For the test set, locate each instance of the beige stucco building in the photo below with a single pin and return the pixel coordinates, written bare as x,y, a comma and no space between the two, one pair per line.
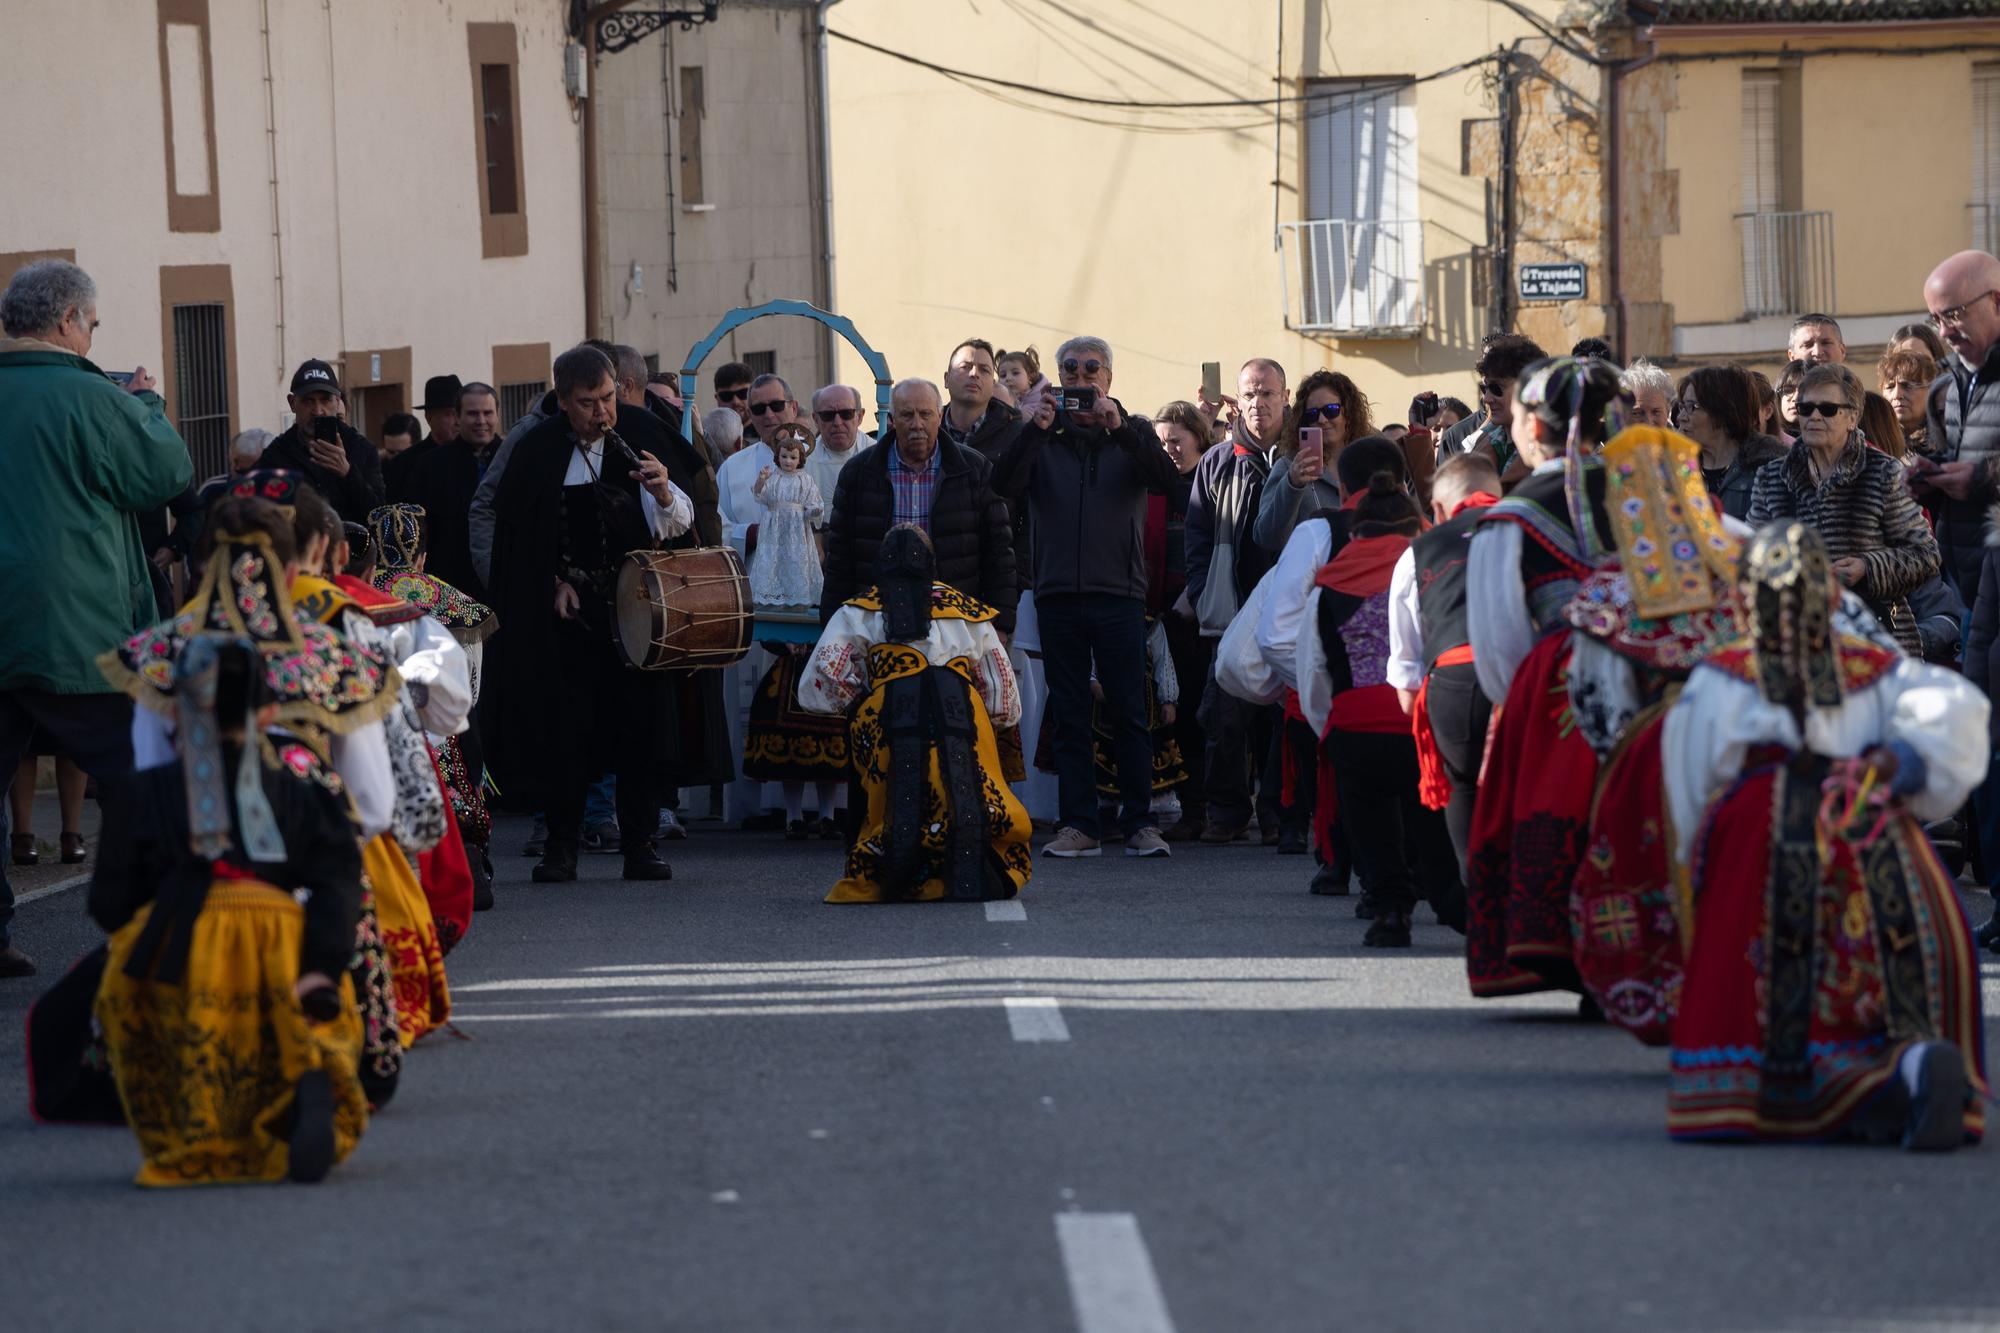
711,191
1710,172
392,186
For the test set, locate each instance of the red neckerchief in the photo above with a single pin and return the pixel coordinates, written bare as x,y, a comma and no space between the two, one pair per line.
1476,500
1364,566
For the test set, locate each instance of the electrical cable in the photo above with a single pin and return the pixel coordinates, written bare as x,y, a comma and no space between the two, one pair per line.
1389,88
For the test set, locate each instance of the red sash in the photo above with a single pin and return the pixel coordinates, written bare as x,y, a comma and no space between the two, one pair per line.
1433,783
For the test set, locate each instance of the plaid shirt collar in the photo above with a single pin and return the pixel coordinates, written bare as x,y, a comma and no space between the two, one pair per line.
912,489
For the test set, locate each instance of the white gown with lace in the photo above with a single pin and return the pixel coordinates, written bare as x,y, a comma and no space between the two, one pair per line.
784,569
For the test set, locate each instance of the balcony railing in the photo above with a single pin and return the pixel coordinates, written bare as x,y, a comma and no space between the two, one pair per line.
1345,275
1787,263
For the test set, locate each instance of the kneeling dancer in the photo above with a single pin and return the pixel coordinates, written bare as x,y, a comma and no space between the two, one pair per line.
932,678
230,883
1832,989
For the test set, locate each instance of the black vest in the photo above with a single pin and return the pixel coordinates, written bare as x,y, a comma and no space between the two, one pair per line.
1440,568
1551,568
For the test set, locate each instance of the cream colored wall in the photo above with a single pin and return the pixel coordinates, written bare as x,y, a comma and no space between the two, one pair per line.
959,214
1886,147
385,100
760,240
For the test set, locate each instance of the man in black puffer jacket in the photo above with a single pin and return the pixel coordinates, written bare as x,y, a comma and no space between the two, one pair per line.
345,467
1085,471
966,520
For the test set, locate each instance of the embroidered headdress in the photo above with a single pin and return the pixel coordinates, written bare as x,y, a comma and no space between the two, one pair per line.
1583,398
904,571
1668,596
317,677
399,531
1787,588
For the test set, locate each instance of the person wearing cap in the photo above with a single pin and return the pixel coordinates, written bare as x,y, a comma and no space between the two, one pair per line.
337,460
441,414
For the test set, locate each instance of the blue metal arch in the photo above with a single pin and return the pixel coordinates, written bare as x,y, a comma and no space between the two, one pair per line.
878,364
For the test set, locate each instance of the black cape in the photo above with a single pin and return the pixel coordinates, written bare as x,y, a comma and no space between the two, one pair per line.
523,720
443,481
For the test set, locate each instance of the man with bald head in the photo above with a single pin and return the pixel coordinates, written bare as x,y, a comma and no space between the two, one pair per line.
1963,297
917,475
837,415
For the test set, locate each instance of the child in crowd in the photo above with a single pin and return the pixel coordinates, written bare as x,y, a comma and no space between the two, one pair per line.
1020,373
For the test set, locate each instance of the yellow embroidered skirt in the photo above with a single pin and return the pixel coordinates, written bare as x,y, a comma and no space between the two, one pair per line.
1007,826
208,1067
409,937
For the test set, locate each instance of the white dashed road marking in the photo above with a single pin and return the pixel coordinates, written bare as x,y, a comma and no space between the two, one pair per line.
1007,909
1036,1019
1111,1278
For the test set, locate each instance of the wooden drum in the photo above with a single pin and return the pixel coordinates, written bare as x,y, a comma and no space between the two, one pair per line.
683,610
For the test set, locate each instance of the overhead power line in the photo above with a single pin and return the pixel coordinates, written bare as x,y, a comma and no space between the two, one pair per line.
1389,87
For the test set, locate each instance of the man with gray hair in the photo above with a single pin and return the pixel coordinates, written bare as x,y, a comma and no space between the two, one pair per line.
1086,468
85,459
916,475
837,414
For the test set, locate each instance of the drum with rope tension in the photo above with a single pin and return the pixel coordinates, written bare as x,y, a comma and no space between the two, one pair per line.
682,610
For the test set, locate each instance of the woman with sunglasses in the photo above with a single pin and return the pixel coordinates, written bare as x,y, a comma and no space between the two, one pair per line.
1717,409
1302,484
1855,496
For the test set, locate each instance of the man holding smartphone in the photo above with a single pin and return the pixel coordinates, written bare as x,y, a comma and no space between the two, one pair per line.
337,460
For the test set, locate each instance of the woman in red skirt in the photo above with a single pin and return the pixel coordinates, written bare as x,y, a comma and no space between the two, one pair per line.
1831,987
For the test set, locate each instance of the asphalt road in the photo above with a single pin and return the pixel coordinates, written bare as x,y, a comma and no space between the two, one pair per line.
1172,1095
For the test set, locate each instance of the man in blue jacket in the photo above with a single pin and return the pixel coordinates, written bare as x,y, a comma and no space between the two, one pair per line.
1085,473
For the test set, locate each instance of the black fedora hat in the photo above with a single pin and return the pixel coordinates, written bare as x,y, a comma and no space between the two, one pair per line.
440,394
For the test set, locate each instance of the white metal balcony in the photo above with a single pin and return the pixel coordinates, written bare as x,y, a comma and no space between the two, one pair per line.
1352,276
1787,263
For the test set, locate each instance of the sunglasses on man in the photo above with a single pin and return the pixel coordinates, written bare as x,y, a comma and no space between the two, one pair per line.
1090,367
1492,389
762,409
833,414
1324,412
732,395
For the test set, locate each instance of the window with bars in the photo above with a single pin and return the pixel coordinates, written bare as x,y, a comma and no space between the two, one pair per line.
201,384
761,363
517,400
496,102
1986,156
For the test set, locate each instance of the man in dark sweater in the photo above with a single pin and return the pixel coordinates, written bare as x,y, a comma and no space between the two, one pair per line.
337,461
1085,468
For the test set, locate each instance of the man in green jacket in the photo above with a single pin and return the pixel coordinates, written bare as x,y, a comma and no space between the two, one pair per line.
84,458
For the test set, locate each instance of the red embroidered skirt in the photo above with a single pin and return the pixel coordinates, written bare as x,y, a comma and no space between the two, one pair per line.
1806,979
1527,833
1624,911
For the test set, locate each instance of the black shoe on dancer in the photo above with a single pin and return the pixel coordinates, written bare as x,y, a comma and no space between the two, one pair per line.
1389,930
312,1145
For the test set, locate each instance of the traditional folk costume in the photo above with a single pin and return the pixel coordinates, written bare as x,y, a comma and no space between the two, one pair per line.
562,707
1344,693
932,679
340,716
1832,987
1527,557
1430,655
399,535
1643,620
418,822
224,879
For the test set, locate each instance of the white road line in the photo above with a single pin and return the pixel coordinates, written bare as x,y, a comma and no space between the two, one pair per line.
1007,909
1111,1278
75,882
1036,1019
